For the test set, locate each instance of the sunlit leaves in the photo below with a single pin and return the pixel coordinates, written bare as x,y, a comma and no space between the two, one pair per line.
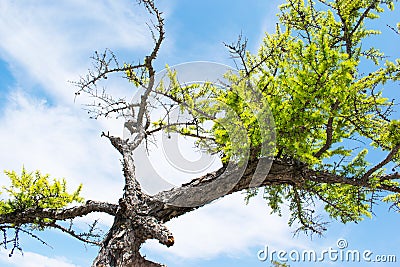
319,98
356,168
345,202
35,191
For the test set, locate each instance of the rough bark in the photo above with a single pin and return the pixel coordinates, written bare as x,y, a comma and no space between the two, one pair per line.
29,215
121,246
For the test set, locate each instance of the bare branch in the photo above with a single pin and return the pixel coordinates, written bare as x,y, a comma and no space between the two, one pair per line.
238,50
397,31
81,237
308,223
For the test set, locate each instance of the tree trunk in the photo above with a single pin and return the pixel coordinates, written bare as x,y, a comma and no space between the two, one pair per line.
132,223
121,246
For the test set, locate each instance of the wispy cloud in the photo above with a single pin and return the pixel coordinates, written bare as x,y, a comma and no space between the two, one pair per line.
58,141
49,43
46,44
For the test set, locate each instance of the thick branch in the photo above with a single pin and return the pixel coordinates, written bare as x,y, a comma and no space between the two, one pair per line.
72,233
30,215
198,192
211,186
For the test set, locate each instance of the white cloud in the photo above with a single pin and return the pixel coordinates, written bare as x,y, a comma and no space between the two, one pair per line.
46,44
61,142
49,43
30,259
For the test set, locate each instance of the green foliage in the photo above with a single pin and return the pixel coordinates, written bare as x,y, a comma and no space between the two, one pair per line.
356,168
35,191
393,198
345,202
303,97
275,196
235,114
308,75
393,133
136,76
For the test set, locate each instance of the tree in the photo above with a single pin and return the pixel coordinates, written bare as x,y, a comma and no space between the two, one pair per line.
291,116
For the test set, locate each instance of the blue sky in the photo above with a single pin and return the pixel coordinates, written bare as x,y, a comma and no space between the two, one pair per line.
45,44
